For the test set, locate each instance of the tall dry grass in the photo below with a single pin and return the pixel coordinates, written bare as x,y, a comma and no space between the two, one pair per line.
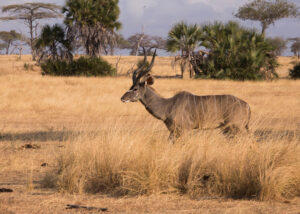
120,149
130,159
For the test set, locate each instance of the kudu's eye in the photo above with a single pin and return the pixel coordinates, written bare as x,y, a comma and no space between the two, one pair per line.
135,89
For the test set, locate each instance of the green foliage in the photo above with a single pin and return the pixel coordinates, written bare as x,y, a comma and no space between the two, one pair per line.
28,67
138,40
183,37
33,11
267,11
53,42
50,36
295,72
295,48
9,38
279,45
92,12
93,21
236,53
80,67
141,63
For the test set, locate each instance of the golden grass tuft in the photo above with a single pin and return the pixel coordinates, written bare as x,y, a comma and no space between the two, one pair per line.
136,161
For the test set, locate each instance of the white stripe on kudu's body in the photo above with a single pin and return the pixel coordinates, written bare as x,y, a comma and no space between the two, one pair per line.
186,111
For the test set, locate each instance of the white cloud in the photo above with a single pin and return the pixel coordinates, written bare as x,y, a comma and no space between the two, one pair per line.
136,8
220,5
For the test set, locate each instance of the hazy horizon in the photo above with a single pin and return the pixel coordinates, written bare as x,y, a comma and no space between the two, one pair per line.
156,17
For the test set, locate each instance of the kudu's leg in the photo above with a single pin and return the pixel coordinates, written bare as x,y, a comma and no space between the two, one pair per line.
171,137
233,130
174,135
229,129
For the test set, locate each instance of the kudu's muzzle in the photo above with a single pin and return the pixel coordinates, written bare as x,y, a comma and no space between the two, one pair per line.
129,96
123,98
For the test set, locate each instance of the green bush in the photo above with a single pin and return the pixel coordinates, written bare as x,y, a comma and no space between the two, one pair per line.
28,67
141,63
236,53
295,72
80,67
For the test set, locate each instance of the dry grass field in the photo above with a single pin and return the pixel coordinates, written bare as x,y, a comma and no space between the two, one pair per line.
72,141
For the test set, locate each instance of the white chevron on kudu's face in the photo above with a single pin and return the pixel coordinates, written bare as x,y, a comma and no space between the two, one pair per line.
186,111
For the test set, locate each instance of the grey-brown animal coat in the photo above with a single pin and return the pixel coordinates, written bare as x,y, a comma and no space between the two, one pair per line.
186,111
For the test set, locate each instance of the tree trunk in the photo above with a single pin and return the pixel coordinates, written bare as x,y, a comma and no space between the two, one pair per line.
182,67
139,44
20,52
263,28
190,66
30,21
90,45
7,49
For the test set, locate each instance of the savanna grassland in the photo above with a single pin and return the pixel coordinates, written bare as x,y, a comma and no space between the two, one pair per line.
70,140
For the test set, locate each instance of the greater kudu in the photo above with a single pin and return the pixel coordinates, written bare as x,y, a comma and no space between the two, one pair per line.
187,111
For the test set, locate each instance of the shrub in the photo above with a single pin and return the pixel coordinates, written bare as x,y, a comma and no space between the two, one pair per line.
295,72
141,63
28,67
80,67
236,53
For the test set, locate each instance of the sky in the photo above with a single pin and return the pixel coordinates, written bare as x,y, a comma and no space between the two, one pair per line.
156,17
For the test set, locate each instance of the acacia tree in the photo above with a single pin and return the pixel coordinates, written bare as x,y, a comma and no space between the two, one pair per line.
114,40
279,45
184,38
295,47
267,12
30,13
135,41
93,23
9,39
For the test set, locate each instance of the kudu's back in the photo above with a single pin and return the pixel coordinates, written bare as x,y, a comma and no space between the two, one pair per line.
189,111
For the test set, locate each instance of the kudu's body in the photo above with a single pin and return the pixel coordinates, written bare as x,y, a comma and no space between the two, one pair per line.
186,111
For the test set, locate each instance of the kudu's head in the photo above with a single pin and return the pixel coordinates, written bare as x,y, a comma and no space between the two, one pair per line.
140,80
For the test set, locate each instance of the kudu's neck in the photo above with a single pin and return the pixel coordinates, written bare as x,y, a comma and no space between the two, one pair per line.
154,103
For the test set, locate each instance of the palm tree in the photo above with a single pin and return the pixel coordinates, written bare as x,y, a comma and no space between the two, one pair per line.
94,22
236,53
184,38
53,42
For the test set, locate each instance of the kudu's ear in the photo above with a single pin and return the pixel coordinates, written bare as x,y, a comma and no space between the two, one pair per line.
149,80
